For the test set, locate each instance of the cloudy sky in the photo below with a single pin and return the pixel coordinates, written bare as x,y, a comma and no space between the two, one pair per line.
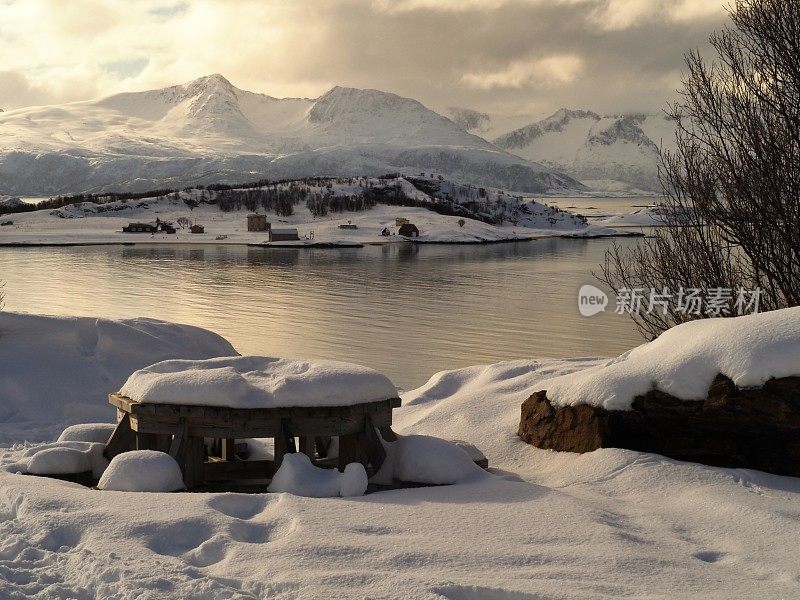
502,56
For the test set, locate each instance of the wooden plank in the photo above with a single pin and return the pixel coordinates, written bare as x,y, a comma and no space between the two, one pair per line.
177,447
349,450
122,439
228,449
308,447
284,442
373,445
194,462
146,441
239,469
322,444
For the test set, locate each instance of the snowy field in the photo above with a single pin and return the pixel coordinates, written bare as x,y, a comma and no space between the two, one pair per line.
88,223
610,523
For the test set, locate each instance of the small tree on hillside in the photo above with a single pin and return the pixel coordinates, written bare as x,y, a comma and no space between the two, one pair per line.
732,206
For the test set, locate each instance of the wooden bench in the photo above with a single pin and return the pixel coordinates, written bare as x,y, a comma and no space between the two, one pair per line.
180,430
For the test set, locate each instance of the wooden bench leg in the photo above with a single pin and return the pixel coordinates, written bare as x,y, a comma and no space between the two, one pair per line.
308,447
195,457
349,450
322,444
284,443
122,439
228,446
373,445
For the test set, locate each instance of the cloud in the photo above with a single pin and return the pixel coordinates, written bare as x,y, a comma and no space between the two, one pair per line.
493,55
16,90
549,72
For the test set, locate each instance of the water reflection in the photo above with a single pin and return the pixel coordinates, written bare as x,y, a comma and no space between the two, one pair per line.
408,310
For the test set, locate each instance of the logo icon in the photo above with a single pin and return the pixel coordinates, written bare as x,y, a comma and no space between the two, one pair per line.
591,300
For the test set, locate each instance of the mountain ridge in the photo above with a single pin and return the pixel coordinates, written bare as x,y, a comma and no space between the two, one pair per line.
208,130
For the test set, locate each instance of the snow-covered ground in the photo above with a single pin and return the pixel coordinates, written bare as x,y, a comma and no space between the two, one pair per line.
610,523
89,223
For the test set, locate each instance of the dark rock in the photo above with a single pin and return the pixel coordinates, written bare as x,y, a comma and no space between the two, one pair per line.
756,428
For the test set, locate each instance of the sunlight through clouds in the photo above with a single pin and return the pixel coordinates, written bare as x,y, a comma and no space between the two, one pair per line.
550,71
510,55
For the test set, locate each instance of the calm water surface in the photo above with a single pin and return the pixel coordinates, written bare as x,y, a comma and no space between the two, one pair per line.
408,310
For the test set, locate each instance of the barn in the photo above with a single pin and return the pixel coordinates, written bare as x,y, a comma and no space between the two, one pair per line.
283,235
140,228
408,230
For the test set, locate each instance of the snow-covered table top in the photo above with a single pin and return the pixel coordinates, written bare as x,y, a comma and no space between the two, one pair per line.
257,382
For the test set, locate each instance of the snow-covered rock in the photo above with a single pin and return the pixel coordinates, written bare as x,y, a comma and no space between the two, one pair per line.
58,371
209,131
298,476
142,471
426,459
258,382
53,461
87,432
684,360
65,457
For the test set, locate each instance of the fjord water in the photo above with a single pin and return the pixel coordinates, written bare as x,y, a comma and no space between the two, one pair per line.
408,310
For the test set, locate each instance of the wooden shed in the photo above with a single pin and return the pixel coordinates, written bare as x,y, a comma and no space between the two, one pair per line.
257,223
283,235
140,228
408,230
197,229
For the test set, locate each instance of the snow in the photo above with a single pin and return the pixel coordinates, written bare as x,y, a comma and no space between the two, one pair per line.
58,371
257,382
63,457
684,360
89,223
87,432
58,461
427,459
613,153
299,477
142,471
540,524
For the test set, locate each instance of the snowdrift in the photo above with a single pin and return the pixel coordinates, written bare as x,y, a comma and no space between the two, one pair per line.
58,371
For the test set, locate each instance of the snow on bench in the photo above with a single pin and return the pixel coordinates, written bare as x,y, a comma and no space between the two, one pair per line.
257,382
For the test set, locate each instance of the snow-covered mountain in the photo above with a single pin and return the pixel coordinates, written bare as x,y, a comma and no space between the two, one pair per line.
209,131
613,153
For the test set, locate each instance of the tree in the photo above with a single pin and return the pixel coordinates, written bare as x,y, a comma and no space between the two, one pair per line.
183,222
461,222
732,186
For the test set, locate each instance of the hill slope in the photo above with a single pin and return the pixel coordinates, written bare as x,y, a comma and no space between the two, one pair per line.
208,131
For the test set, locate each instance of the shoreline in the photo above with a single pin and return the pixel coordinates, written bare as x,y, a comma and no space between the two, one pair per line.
312,245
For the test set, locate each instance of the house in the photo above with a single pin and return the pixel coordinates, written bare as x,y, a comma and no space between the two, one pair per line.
348,226
283,235
197,229
257,223
408,230
166,227
400,221
140,228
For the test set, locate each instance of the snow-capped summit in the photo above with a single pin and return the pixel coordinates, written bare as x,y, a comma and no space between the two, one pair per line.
615,153
208,130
